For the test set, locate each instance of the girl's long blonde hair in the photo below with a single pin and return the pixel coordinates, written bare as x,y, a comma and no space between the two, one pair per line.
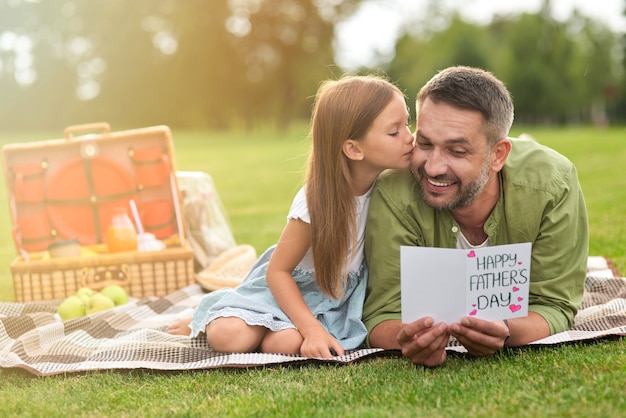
343,109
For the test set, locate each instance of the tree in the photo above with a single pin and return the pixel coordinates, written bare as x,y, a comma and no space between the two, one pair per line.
557,72
418,58
196,63
286,47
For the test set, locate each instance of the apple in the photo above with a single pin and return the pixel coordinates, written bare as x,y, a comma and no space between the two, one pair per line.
71,307
98,302
84,293
116,293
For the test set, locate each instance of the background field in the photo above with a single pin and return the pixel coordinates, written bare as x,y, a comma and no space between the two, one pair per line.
256,176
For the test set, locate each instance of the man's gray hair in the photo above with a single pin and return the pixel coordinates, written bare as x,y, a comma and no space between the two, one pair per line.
473,89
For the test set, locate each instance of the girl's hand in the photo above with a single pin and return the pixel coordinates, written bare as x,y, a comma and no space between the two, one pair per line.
319,343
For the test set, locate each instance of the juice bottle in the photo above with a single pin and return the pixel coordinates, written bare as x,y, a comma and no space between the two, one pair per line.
121,235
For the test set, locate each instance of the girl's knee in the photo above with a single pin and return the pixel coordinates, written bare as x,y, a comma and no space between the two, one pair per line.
233,335
287,341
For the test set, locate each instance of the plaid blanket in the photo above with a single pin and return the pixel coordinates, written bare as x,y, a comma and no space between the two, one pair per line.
133,336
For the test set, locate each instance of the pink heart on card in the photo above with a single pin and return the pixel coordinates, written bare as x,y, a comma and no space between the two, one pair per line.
520,299
473,312
473,305
515,288
515,308
471,254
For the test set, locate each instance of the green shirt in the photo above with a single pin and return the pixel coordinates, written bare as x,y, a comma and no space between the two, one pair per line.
540,202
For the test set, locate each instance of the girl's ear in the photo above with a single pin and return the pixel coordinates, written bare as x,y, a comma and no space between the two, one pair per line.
352,149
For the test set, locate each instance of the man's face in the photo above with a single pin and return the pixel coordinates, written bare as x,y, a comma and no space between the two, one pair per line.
451,160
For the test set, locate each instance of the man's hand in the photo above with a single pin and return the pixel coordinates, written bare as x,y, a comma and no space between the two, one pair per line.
480,337
424,342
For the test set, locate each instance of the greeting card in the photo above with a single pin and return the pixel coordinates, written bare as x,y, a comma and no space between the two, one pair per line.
490,283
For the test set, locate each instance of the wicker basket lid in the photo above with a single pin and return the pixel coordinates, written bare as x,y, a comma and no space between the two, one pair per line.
228,269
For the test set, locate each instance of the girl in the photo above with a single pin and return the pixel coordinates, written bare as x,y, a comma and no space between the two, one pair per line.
305,294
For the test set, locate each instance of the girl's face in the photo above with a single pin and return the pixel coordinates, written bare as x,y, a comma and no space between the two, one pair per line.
389,143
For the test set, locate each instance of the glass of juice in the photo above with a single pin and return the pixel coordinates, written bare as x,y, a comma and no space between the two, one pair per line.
121,234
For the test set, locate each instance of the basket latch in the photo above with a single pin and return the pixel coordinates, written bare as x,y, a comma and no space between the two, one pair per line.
101,278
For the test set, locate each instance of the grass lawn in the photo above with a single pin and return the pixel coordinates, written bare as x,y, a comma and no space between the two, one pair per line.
256,175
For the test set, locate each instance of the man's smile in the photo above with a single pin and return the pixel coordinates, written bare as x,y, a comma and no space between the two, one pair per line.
439,183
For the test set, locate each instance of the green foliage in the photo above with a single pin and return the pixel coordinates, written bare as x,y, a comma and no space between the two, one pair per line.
557,72
223,64
196,63
418,58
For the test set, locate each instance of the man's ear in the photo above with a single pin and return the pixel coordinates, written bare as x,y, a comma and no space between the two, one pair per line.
352,149
500,153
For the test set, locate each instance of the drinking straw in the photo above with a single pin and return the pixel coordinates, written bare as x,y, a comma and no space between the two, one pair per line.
133,209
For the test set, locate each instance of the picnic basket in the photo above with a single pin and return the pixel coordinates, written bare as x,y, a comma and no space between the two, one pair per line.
68,190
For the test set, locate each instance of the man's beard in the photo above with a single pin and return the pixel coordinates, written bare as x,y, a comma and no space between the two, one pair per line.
464,197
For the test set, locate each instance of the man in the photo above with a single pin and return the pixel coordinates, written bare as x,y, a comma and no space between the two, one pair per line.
471,186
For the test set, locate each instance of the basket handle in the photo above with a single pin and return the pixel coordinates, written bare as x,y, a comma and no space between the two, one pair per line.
74,130
102,278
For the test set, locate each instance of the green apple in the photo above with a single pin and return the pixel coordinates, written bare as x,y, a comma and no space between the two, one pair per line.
116,293
84,293
71,307
98,302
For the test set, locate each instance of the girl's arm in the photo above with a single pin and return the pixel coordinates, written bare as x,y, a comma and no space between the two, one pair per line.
291,248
